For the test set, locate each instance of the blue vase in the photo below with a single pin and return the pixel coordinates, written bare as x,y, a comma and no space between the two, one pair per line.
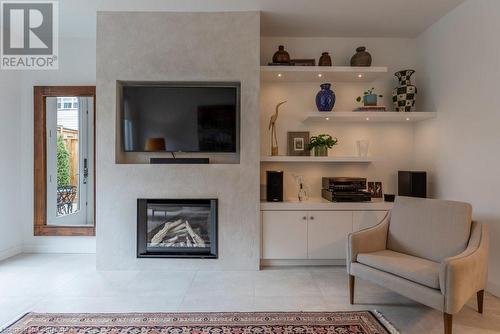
325,99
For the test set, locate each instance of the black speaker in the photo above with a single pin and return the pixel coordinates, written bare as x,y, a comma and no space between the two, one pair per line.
412,184
274,186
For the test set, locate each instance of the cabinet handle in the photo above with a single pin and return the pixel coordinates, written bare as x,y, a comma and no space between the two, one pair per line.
304,218
311,218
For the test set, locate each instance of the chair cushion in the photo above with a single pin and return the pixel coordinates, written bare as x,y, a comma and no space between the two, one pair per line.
429,228
412,268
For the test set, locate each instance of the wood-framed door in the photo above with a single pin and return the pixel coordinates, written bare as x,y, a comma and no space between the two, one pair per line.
44,223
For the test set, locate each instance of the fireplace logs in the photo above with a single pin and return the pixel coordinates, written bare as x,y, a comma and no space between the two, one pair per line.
177,233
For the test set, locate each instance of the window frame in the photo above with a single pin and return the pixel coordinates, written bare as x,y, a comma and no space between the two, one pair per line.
40,227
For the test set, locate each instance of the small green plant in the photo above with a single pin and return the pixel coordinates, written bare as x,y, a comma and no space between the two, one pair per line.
368,92
322,140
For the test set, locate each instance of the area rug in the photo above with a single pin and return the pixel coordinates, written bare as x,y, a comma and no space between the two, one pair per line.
362,322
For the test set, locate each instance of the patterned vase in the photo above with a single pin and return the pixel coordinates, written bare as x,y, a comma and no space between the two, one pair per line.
405,94
325,99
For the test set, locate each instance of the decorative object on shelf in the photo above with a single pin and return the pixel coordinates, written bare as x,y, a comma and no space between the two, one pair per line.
325,60
321,143
304,62
297,143
281,56
325,99
362,146
369,98
302,193
272,127
405,94
361,57
375,189
371,108
389,197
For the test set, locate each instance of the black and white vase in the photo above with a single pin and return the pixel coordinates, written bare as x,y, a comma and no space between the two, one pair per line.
405,94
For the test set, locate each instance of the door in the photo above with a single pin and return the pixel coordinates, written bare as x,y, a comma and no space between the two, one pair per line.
327,234
69,135
367,219
284,235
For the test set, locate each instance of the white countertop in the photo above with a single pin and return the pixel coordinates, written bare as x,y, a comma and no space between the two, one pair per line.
323,204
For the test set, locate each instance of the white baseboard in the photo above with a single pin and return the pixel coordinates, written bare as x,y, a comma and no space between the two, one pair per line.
10,252
493,288
301,263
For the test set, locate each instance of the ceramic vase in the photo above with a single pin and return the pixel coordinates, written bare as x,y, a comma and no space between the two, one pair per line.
404,96
281,56
370,100
321,151
325,99
325,60
361,57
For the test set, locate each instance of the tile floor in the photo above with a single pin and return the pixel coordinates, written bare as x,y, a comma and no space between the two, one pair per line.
70,283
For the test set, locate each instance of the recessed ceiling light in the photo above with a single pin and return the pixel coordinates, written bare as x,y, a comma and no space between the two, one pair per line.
407,118
328,118
320,75
360,75
279,75
368,118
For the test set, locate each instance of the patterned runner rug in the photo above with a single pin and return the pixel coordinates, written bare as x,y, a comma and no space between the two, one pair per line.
361,322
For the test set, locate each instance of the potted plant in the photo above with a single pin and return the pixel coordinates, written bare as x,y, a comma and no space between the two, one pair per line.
321,143
369,97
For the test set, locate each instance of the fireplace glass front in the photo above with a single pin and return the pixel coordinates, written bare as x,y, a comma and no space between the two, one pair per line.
185,228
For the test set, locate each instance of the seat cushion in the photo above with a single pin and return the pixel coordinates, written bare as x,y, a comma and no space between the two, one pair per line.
412,268
429,228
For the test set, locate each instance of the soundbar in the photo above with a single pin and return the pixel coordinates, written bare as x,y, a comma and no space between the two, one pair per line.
171,161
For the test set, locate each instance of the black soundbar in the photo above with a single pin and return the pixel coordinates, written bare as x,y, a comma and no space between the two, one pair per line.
171,161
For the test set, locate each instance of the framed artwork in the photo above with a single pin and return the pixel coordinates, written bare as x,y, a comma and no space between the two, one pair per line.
375,189
297,143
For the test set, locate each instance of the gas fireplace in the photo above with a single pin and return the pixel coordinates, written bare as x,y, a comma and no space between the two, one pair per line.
177,228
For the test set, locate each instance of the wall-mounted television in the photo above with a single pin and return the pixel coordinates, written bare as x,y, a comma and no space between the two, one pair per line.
180,117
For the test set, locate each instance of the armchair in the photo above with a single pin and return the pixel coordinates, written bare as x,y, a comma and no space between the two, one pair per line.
427,250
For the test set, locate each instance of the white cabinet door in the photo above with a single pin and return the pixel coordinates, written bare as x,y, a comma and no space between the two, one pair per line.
284,235
327,234
367,219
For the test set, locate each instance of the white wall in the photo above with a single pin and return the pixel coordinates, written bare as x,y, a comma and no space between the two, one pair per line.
391,145
459,67
147,46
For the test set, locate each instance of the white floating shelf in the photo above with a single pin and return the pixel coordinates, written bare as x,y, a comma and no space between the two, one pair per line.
285,158
321,73
371,116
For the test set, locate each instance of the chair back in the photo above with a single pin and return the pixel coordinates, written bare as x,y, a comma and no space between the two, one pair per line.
429,228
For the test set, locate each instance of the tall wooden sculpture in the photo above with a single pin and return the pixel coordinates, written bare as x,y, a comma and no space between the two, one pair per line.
272,127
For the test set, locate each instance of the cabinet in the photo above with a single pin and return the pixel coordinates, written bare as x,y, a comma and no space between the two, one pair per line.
326,234
366,219
284,234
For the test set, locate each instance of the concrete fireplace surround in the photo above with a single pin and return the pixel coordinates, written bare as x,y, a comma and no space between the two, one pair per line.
165,46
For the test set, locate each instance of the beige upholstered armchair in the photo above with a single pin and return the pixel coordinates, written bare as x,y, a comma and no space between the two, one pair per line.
427,250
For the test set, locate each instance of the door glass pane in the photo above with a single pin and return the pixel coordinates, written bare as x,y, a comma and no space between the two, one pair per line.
67,155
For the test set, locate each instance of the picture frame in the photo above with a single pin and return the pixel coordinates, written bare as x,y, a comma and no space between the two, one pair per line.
297,143
375,189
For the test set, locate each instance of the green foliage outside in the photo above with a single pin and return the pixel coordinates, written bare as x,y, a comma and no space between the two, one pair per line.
63,163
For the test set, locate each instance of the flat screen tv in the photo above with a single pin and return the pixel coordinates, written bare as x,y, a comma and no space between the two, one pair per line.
180,117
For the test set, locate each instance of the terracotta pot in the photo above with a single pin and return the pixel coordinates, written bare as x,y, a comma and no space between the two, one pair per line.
281,56
325,60
361,58
321,151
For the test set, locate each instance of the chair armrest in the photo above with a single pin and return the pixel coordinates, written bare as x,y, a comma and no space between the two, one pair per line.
368,240
465,274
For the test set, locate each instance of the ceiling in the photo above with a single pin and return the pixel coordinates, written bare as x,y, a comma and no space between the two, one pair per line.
294,18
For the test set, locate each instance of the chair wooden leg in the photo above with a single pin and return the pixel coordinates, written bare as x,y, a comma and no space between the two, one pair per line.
448,322
480,301
351,289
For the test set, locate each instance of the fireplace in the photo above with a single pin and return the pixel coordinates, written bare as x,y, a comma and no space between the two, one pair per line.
177,228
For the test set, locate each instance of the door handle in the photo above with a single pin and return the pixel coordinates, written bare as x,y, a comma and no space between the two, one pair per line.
311,218
304,218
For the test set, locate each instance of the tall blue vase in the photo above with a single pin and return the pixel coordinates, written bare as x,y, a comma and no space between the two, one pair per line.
325,99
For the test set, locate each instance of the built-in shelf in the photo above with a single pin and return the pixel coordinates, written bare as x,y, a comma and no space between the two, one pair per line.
323,204
286,158
321,73
371,116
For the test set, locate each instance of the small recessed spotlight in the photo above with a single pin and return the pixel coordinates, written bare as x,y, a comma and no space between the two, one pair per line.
320,75
360,75
407,118
279,75
368,118
328,118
